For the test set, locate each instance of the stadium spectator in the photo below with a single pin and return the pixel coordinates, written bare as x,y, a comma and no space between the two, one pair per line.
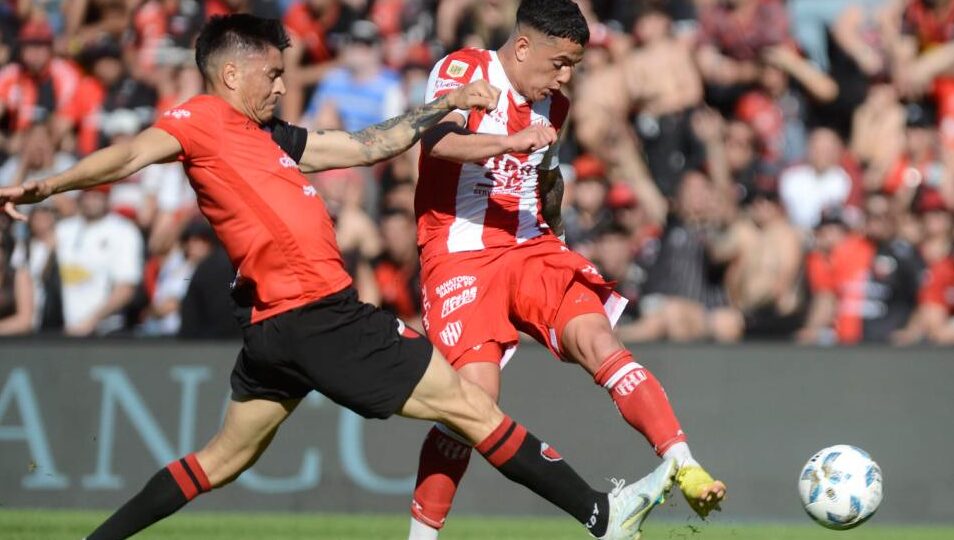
39,86
16,287
764,277
934,318
865,288
685,298
587,215
397,270
172,282
206,311
821,183
316,28
924,57
779,108
37,158
877,133
39,252
613,257
734,36
660,82
88,21
362,91
108,89
100,258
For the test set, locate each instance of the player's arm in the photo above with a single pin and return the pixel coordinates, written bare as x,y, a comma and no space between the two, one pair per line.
101,167
550,183
339,149
452,141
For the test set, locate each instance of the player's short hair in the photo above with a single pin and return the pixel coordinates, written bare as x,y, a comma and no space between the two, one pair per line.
556,18
238,32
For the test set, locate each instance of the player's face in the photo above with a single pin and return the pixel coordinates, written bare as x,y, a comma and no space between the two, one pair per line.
262,85
546,63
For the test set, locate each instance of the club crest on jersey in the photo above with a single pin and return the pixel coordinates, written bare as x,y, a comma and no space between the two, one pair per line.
287,162
456,69
450,335
309,191
549,453
178,114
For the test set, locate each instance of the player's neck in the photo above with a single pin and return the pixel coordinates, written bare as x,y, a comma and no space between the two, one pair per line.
508,61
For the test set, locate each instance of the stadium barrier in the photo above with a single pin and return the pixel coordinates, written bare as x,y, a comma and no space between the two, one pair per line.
84,424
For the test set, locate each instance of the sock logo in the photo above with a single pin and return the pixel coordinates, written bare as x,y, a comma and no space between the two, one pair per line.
593,518
549,453
629,383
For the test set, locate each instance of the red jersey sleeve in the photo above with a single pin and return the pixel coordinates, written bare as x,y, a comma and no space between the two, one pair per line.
196,125
939,279
820,275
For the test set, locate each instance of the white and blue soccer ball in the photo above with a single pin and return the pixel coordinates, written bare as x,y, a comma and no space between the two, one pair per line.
840,487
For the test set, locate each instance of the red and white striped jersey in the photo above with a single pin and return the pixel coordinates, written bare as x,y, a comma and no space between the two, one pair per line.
494,203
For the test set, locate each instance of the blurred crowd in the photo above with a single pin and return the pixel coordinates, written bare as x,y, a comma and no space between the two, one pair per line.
743,169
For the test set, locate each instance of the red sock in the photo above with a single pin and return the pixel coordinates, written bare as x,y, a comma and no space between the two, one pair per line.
442,464
190,477
640,399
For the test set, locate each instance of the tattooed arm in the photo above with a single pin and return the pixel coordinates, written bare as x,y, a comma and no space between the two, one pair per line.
551,195
339,149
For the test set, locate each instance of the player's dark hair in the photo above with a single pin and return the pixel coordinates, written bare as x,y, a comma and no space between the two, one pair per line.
556,18
237,32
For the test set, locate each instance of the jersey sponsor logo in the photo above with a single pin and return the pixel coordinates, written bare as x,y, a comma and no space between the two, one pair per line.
549,453
499,116
453,284
458,301
450,335
508,175
446,84
309,191
629,383
541,121
287,162
178,114
456,69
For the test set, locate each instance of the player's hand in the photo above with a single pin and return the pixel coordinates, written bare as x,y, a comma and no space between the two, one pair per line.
532,139
476,95
27,193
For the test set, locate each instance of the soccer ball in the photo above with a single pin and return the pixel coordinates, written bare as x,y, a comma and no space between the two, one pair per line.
840,487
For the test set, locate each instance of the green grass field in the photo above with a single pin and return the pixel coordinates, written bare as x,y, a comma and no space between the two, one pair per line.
71,525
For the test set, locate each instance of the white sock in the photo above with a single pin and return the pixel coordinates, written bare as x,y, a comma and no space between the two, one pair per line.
680,452
420,531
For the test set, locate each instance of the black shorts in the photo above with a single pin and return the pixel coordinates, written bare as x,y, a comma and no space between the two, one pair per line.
359,356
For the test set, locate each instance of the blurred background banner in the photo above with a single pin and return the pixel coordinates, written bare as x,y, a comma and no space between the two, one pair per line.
82,425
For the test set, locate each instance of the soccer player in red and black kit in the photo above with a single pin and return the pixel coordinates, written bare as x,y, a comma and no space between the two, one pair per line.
304,328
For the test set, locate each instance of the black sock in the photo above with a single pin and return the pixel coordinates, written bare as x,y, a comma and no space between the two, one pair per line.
521,457
165,493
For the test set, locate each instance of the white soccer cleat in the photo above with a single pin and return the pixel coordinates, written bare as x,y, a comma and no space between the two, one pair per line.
629,506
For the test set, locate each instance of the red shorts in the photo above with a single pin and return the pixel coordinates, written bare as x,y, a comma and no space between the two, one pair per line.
475,297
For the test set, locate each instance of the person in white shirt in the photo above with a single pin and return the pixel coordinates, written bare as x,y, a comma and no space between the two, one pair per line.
806,190
100,259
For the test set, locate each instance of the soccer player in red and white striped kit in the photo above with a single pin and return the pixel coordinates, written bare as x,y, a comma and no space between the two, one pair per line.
493,262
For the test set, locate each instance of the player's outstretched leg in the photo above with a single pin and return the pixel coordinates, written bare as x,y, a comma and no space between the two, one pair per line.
588,339
248,429
443,396
445,455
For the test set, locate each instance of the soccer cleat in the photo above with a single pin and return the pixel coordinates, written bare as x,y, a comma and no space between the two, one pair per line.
702,492
629,506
